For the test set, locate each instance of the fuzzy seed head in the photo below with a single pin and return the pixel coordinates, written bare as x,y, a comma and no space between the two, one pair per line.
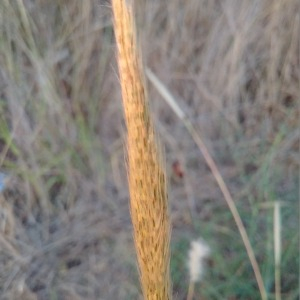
198,252
146,172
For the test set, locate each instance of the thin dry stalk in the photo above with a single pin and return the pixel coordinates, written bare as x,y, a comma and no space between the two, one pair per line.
277,248
191,290
147,184
216,173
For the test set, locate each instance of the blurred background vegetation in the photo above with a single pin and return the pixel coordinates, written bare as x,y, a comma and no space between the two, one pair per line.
234,67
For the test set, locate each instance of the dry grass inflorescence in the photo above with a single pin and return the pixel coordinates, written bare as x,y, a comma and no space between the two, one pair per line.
147,178
233,66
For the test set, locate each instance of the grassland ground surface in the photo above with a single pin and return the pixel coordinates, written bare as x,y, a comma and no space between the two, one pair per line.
233,66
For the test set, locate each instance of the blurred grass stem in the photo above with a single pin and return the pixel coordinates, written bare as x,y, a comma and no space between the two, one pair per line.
277,248
216,173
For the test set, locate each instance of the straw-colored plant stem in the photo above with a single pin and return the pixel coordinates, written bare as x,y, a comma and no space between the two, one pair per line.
191,290
147,184
215,171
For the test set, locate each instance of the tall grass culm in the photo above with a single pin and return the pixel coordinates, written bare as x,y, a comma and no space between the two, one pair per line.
146,172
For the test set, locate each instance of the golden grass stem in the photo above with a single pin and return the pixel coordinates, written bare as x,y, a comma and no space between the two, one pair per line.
146,172
216,173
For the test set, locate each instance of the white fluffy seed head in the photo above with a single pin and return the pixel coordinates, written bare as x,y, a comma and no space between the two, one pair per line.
198,252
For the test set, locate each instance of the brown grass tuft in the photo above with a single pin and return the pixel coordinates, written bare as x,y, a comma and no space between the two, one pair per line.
147,183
